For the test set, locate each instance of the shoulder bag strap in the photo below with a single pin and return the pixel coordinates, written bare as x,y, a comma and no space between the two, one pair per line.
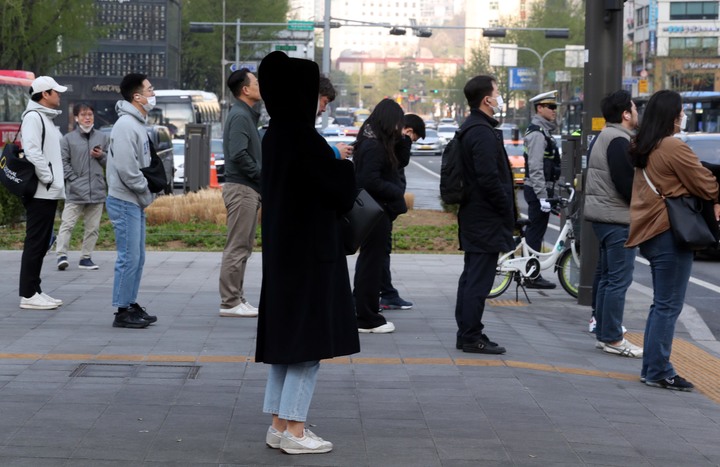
647,179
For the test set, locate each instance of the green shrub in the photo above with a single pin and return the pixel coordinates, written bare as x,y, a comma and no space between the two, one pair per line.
11,208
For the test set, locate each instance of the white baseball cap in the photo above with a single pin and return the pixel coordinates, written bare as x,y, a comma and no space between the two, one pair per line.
45,83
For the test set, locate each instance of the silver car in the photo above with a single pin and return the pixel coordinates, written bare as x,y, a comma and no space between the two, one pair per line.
429,145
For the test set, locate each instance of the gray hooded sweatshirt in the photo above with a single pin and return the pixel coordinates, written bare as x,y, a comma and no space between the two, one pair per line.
45,157
129,151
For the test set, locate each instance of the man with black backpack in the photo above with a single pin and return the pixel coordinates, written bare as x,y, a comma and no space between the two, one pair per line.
542,169
486,216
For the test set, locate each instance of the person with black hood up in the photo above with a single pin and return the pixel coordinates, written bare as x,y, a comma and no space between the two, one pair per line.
306,312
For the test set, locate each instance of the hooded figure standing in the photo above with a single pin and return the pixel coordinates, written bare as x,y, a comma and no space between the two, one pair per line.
306,310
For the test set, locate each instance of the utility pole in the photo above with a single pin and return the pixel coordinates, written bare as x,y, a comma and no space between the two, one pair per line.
603,75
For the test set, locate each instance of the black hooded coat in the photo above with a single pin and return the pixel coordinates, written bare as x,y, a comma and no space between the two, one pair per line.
306,308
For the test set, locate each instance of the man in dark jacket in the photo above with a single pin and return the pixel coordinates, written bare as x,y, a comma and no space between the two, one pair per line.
84,155
241,192
487,215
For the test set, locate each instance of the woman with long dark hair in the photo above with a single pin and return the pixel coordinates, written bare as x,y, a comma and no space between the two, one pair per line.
379,154
671,166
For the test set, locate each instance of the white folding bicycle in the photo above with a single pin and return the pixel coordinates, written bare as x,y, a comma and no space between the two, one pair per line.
524,263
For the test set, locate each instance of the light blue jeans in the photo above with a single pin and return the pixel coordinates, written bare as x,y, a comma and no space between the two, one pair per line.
290,389
617,264
128,220
671,267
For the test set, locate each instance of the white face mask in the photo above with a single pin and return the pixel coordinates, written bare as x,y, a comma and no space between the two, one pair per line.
683,122
498,109
85,129
150,104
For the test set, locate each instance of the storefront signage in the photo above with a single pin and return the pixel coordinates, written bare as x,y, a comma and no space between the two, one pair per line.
106,88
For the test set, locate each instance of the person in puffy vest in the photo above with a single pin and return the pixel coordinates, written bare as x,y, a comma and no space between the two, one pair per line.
542,169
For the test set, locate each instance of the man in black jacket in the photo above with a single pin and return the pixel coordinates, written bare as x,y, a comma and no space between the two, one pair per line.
487,214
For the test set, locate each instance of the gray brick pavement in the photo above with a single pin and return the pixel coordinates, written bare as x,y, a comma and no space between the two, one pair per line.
138,409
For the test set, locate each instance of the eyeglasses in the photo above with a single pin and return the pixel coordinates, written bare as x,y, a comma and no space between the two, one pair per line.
551,106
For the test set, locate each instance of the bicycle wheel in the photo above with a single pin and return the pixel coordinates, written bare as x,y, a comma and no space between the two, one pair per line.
501,283
569,272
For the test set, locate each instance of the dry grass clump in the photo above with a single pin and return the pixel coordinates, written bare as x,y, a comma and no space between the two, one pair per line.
204,206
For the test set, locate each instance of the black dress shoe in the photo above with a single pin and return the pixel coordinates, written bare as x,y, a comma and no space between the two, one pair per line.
141,310
128,318
539,283
482,346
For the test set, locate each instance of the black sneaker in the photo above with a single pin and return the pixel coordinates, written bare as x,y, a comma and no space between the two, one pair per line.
459,342
676,383
395,304
141,311
539,283
127,318
483,346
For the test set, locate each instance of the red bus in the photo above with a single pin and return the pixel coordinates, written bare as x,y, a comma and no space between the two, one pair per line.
14,96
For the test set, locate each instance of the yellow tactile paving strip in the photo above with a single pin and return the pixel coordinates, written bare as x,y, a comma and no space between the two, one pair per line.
692,362
496,302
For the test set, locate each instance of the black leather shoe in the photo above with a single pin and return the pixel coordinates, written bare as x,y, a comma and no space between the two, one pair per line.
482,346
127,318
539,283
141,310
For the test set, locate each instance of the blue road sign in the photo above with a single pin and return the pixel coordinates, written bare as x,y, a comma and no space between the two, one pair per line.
252,66
523,79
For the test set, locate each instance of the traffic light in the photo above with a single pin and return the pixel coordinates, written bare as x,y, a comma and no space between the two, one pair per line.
434,91
397,32
403,90
494,32
423,32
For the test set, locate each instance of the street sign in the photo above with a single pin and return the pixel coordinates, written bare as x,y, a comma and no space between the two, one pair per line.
286,48
301,25
643,86
252,66
523,79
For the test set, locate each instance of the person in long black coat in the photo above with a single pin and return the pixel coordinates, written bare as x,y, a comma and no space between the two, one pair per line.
379,155
306,312
486,217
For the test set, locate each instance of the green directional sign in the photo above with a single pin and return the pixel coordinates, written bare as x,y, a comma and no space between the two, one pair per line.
286,48
301,25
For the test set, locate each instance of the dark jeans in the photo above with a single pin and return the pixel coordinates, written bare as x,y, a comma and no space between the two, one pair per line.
387,291
535,230
617,264
40,214
368,270
671,267
473,288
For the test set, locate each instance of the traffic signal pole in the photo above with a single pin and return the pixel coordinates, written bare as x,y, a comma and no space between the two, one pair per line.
603,75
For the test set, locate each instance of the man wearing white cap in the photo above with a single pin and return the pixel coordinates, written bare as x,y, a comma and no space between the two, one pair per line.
542,169
41,142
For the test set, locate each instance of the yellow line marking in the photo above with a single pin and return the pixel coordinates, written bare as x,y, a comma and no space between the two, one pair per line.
692,362
496,302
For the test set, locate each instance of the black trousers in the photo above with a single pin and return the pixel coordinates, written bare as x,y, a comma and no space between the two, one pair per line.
535,231
368,270
40,215
474,286
387,290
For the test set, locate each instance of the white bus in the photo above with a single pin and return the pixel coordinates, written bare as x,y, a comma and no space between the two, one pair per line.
176,108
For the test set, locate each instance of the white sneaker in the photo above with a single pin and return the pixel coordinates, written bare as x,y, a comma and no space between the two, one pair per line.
592,324
248,306
625,349
384,329
310,443
273,438
241,310
47,297
36,302
600,345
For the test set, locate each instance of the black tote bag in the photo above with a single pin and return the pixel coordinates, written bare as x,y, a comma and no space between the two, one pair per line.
360,220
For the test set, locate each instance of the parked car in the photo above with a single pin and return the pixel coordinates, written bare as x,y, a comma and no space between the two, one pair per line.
515,150
447,121
429,145
216,149
510,131
431,124
179,161
446,132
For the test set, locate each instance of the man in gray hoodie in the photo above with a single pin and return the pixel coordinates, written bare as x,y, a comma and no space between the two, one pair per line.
128,196
41,143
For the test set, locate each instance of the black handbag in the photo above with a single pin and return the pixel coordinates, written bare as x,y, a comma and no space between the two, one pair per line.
689,220
155,172
17,174
360,220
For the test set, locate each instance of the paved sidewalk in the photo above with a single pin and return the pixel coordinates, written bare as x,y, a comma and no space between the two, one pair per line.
75,391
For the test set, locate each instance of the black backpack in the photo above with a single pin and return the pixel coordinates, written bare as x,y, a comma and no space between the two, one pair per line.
452,182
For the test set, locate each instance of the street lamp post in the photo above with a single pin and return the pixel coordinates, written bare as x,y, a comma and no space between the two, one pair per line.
541,79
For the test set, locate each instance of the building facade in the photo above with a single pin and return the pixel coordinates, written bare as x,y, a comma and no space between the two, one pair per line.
673,44
145,38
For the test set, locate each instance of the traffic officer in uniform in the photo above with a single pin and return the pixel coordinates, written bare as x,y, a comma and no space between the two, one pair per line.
542,169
